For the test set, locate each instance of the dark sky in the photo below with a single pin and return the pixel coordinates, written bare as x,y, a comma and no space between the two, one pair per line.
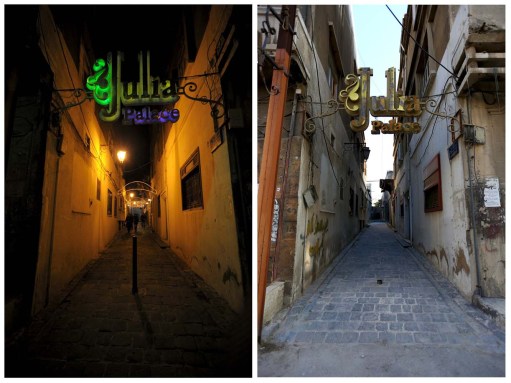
129,29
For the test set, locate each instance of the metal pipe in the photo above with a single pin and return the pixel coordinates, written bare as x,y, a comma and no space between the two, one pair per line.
410,199
479,290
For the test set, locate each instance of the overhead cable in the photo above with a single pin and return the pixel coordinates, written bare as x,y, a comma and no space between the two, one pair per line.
420,46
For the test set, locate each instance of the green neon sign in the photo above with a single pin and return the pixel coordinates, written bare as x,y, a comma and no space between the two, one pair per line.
110,91
101,82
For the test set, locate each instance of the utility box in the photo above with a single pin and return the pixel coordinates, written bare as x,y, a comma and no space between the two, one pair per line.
474,134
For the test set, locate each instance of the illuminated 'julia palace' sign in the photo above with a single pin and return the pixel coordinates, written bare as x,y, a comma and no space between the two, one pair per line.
359,104
145,101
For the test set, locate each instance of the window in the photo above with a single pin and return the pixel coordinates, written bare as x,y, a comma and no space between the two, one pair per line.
115,206
159,206
109,204
306,11
191,185
433,186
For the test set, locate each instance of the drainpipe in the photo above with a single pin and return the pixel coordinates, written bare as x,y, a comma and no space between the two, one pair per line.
410,199
478,290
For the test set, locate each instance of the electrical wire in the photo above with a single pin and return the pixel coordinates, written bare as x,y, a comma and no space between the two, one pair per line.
139,167
420,46
314,53
449,79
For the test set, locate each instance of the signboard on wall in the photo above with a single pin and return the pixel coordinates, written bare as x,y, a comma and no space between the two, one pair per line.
145,101
358,104
492,193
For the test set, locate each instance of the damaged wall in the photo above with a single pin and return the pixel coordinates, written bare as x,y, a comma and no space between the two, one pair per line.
473,174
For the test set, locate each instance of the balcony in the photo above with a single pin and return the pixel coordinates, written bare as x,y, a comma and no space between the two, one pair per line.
480,62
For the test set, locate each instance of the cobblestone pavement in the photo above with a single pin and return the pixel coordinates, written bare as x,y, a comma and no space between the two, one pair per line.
380,294
176,326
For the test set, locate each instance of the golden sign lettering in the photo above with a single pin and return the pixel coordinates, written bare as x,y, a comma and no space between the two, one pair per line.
357,102
393,127
356,98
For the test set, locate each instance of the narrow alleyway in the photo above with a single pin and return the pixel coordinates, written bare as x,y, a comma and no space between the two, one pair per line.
175,327
381,310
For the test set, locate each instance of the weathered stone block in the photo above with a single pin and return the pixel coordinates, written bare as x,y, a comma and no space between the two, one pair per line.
274,300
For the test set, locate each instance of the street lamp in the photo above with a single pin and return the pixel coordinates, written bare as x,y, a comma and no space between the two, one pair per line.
361,146
121,155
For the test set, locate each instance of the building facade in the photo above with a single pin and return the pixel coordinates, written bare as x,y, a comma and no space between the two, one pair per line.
321,201
201,164
449,190
62,177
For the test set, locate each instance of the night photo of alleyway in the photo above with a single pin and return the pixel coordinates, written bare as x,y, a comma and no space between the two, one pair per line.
128,172
381,310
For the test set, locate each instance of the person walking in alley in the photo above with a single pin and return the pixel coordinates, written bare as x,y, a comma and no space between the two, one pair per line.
143,219
129,222
135,221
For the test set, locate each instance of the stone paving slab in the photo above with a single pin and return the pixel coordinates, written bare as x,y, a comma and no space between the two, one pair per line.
381,293
176,326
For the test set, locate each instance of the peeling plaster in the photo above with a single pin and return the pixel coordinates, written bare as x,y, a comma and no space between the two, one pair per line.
432,254
461,263
315,225
491,220
316,248
230,275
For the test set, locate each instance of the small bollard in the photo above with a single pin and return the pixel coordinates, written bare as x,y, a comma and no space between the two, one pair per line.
134,287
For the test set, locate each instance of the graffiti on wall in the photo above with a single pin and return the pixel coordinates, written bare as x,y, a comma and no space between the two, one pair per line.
275,221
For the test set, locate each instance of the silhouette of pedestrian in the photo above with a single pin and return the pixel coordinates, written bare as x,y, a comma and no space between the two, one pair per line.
129,222
135,220
143,219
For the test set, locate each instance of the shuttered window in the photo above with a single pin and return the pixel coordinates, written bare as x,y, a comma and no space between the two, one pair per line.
433,186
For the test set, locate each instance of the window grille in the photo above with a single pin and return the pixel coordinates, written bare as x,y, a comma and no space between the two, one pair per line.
191,184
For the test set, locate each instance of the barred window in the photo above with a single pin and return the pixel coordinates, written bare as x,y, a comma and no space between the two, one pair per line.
191,184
